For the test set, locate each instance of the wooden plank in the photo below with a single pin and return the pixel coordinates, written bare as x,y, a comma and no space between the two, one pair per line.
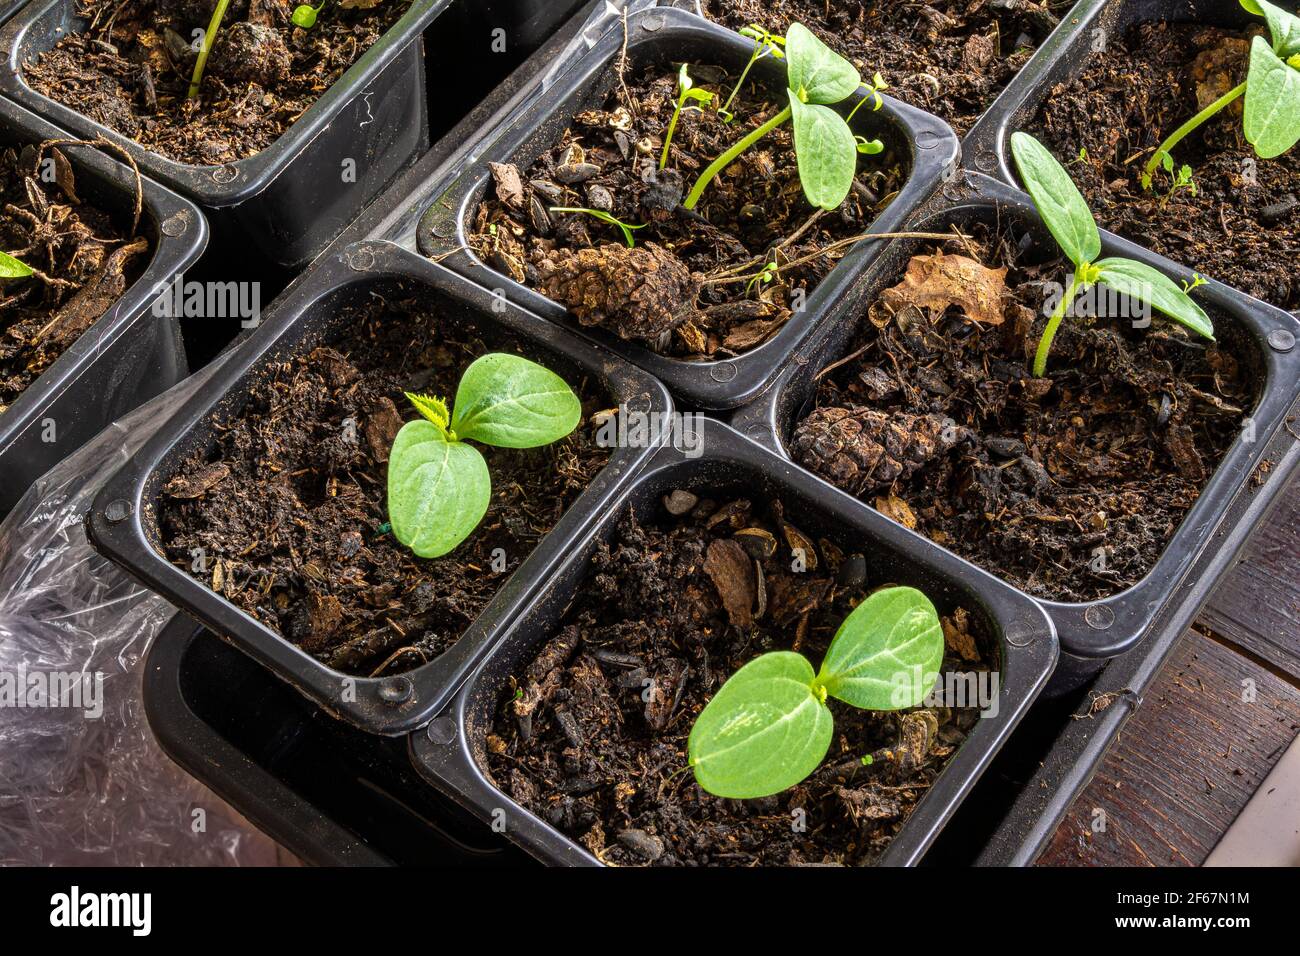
1258,604
1185,764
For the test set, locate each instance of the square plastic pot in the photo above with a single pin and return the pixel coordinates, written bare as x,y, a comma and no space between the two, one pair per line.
123,521
451,751
288,201
666,36
130,354
1094,631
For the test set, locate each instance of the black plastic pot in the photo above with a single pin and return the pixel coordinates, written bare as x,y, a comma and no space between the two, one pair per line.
130,354
289,200
331,794
666,36
123,523
1082,744
987,146
450,751
1094,631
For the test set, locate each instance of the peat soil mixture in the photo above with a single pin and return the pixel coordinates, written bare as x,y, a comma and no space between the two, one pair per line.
83,261
131,70
950,57
685,289
592,735
1243,226
285,516
1068,486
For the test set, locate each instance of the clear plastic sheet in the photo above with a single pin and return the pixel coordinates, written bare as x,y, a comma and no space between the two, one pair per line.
82,781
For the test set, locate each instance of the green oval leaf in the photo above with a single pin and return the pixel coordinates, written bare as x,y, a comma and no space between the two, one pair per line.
304,16
816,73
438,490
11,268
1058,200
826,151
763,731
1284,27
508,401
884,651
1272,121
1156,289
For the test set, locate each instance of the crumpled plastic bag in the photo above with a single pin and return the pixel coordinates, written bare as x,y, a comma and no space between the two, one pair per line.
82,780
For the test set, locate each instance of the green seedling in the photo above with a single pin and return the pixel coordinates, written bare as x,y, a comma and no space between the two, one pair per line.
687,92
209,38
824,145
438,486
1180,180
604,217
768,727
1071,224
765,44
304,15
12,268
1271,120
762,277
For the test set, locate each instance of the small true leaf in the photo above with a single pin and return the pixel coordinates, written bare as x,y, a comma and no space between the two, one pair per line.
763,731
304,16
880,650
1057,198
1272,120
817,74
11,268
508,401
826,152
438,490
1148,285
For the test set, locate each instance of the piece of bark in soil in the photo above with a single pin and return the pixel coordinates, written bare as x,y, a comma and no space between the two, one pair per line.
863,449
731,569
382,426
639,294
198,482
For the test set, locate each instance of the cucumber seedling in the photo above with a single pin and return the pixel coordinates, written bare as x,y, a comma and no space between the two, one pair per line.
768,727
13,268
1271,120
687,91
824,145
1071,224
439,486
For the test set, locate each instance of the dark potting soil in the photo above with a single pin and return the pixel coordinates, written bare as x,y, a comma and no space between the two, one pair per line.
1243,225
131,70
950,57
84,262
592,736
753,211
288,510
1068,486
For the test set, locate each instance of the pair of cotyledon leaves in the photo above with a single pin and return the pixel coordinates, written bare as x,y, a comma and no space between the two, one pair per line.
768,727
825,148
1068,218
1272,116
438,486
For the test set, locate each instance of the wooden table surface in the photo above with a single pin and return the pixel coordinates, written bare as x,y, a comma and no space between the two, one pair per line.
1217,718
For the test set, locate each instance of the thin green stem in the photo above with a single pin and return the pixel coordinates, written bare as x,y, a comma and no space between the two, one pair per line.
1183,131
730,156
208,39
668,139
741,82
1054,322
